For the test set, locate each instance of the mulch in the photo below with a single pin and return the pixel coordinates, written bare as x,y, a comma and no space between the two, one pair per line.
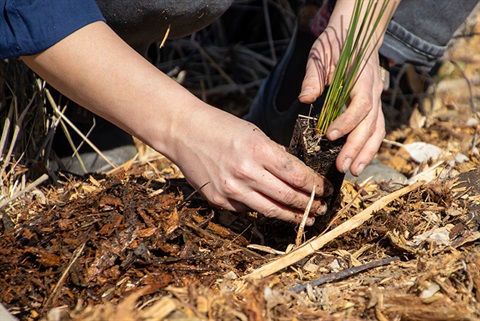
96,241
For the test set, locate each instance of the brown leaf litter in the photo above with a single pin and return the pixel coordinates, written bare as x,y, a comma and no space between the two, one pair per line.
109,246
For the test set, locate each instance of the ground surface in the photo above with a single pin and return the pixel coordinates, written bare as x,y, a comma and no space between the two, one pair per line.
138,244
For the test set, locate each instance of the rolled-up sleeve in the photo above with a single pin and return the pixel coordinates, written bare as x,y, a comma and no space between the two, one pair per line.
30,26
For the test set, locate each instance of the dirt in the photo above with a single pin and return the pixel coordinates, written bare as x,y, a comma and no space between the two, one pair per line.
139,244
320,154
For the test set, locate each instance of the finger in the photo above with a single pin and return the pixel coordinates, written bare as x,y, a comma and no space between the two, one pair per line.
371,148
373,127
360,106
285,194
350,119
312,84
292,171
230,193
316,73
255,201
280,187
320,65
270,208
364,140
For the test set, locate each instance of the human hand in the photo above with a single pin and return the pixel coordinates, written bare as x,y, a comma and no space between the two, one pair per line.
244,170
363,119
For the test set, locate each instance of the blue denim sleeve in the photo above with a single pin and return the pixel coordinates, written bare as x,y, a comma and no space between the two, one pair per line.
30,26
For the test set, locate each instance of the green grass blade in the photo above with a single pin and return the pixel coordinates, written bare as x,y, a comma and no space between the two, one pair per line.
354,55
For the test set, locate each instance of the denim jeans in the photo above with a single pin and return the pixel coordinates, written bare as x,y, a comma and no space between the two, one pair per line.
420,30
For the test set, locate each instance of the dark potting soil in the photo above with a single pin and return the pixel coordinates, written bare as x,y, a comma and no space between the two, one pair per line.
320,154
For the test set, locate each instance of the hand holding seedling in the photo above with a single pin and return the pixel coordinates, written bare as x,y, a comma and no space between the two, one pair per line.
229,160
354,78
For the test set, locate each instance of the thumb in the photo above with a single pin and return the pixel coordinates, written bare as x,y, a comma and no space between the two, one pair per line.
313,82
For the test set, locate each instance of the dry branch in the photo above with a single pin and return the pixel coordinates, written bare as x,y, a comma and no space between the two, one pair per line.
318,242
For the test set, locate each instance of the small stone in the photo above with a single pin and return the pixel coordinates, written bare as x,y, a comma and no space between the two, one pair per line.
472,122
378,172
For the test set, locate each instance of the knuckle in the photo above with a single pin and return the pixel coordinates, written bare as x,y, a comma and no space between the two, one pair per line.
218,200
382,132
376,133
355,150
299,179
290,198
228,188
371,130
270,211
365,104
242,171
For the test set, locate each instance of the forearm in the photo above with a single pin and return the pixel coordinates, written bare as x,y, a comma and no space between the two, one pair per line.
97,70
343,11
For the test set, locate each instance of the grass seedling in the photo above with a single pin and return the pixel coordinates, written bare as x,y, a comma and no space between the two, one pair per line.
353,57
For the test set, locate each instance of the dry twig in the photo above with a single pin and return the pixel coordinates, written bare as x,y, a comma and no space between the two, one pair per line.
318,242
30,187
301,227
65,119
52,300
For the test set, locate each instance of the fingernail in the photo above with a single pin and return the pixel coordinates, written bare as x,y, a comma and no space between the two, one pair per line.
322,209
346,165
310,221
334,134
306,91
360,168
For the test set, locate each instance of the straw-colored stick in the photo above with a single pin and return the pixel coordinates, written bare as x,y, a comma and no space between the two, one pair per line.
52,299
3,138
16,131
72,125
301,227
318,242
27,189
